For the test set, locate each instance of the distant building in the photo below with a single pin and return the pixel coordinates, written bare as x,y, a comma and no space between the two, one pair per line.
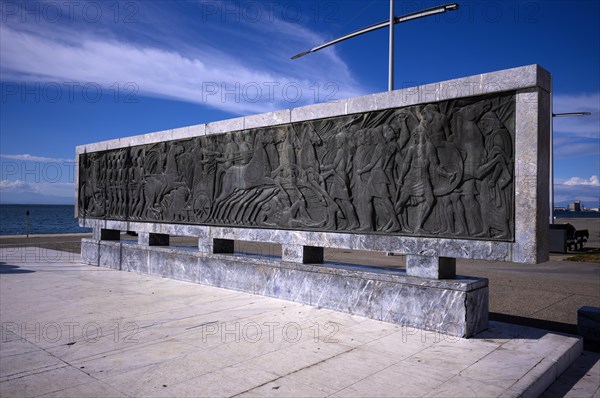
575,206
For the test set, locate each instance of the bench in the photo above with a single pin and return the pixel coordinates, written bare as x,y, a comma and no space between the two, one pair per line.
564,237
578,239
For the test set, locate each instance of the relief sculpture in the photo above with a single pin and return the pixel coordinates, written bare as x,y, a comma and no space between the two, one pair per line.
444,169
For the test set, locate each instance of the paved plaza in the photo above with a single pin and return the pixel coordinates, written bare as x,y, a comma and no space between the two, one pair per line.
75,330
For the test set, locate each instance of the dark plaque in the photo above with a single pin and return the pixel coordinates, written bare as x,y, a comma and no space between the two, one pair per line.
442,169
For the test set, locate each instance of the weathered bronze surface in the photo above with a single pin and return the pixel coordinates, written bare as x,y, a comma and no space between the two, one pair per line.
443,169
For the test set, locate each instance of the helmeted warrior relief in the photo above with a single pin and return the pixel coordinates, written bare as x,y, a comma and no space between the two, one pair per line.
444,169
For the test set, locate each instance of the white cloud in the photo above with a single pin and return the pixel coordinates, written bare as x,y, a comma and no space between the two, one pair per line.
592,181
563,193
576,188
573,149
177,70
570,147
60,189
576,102
14,185
33,158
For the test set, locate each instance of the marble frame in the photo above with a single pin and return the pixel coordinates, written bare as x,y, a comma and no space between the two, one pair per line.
532,85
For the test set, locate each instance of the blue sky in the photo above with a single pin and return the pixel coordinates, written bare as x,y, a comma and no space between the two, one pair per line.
78,72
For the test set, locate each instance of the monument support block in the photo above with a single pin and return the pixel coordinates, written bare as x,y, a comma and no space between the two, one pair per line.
151,239
213,245
431,267
302,254
110,234
223,246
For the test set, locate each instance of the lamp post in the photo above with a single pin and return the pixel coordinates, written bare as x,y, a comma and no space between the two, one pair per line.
391,48
391,22
567,114
571,114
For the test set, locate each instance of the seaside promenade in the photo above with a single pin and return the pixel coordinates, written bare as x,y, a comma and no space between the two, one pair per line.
126,334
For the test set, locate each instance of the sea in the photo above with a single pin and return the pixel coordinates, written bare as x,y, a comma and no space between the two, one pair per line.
58,219
43,219
576,214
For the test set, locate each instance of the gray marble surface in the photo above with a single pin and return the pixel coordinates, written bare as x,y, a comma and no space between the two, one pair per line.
454,248
532,84
453,306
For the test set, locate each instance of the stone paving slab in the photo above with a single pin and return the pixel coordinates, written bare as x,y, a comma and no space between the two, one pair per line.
561,287
582,379
75,330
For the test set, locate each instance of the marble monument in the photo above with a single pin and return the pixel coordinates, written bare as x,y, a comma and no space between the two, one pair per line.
457,169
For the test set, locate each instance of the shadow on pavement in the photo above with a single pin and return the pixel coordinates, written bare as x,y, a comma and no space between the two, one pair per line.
509,331
12,269
577,371
534,323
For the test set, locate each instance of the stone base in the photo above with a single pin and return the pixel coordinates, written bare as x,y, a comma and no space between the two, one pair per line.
457,307
588,327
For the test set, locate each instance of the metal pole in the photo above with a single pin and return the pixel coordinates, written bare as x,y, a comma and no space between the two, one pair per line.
391,49
384,24
551,165
27,223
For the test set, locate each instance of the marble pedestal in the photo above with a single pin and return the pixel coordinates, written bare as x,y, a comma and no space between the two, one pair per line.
457,307
427,296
